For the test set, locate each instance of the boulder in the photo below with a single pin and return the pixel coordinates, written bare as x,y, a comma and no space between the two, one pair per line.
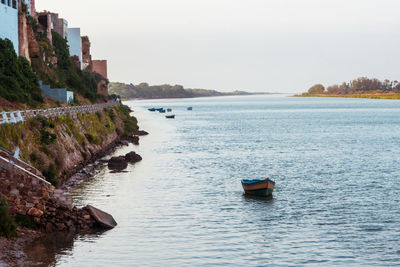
35,212
104,219
134,139
117,163
141,133
132,157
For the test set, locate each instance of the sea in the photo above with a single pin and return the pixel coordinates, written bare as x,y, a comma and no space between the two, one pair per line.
335,161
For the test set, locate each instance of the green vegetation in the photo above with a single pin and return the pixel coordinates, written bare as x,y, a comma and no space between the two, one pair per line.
8,227
71,76
359,88
144,90
25,221
51,174
47,143
18,83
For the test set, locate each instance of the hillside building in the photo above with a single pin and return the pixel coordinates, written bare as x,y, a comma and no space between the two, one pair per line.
75,45
100,67
60,25
86,56
9,22
44,19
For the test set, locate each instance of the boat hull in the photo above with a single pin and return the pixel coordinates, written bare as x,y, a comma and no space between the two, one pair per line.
258,187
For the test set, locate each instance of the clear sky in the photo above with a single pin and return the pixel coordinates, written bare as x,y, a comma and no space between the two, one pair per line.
252,45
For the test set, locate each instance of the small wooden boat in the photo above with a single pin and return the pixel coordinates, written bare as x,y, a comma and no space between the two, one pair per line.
170,116
258,187
190,108
169,110
151,109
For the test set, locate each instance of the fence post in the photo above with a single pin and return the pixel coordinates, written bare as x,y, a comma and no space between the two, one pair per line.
12,117
19,116
5,118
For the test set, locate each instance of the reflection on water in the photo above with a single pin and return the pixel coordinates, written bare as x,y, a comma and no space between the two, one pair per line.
46,250
335,201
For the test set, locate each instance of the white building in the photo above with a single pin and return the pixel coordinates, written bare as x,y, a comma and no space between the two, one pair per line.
9,21
75,43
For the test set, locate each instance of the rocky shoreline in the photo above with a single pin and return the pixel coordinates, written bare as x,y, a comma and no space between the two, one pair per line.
49,214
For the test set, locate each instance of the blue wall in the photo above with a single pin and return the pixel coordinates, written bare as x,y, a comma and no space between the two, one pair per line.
9,23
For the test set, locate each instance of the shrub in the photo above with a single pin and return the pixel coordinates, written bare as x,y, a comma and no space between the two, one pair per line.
8,227
47,138
51,175
25,221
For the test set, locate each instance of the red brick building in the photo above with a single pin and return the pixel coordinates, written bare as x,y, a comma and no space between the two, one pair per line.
100,67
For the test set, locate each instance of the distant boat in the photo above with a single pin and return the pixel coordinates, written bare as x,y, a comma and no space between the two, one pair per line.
190,108
258,187
169,110
170,116
161,110
151,109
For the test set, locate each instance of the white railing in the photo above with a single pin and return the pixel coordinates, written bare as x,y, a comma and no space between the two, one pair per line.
21,115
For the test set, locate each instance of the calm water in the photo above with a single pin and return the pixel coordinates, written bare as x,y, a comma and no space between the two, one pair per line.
335,162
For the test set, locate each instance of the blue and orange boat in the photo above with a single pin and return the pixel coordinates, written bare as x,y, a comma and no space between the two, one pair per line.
258,187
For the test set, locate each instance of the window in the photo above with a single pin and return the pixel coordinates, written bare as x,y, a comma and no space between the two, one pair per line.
14,4
3,1
8,2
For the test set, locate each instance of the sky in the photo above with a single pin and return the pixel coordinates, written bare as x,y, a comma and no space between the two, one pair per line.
251,45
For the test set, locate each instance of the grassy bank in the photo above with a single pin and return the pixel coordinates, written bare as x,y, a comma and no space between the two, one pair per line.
370,96
55,146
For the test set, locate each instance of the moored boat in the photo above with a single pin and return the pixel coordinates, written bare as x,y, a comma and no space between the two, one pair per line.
190,108
169,109
151,109
161,110
170,116
258,187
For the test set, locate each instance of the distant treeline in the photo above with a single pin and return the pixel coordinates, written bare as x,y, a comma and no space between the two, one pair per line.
361,85
146,91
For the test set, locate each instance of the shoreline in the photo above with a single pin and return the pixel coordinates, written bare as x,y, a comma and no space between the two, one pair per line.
365,96
177,98
12,250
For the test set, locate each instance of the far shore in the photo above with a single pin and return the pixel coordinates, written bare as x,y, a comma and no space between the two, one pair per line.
369,96
159,98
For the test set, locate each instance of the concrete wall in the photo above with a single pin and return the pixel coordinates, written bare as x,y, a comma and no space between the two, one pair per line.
59,94
9,22
75,42
100,66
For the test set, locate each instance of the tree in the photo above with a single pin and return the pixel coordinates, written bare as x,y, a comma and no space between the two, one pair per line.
317,89
18,82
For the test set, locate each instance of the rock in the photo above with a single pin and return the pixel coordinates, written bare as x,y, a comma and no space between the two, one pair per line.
124,143
61,226
117,163
49,227
86,217
102,218
135,140
141,133
132,157
35,212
